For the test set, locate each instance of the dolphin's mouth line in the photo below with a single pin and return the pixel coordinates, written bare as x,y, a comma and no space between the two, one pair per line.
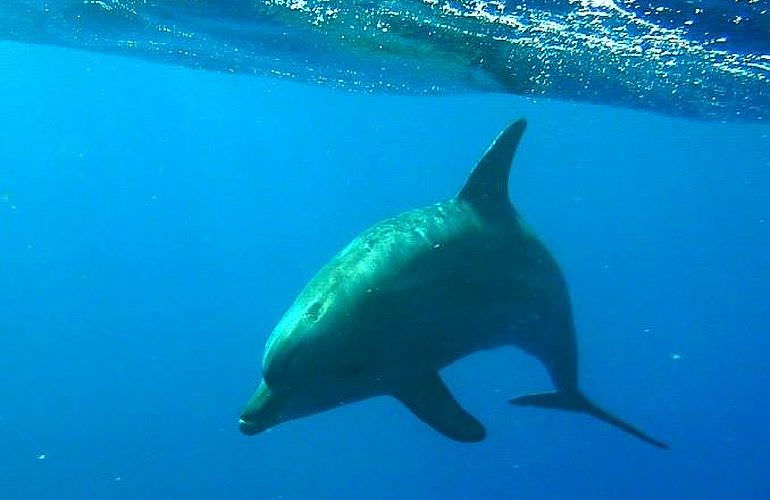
247,427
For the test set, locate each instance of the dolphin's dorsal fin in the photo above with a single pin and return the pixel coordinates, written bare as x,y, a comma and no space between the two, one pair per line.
430,400
487,186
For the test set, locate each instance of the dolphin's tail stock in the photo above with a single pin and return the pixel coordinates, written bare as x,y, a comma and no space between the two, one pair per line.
579,403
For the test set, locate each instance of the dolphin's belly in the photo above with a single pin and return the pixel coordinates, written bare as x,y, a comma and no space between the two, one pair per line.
433,338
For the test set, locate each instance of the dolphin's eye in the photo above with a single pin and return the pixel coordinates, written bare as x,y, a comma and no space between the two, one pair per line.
314,312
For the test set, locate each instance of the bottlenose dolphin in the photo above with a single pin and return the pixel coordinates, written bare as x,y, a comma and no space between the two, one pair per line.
416,292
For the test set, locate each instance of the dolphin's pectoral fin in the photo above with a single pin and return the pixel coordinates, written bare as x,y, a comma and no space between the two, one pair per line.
579,403
430,400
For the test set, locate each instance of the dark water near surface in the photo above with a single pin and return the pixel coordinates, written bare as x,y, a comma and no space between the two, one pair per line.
156,221
700,59
743,24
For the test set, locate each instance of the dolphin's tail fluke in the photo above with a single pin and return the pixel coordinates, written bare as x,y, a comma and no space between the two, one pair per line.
579,403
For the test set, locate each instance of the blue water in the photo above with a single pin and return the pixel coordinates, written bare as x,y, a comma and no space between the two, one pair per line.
156,221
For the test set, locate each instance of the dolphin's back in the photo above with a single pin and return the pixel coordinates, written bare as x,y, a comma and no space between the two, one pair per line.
450,278
462,269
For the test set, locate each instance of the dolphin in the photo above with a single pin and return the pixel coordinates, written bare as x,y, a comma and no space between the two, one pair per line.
415,293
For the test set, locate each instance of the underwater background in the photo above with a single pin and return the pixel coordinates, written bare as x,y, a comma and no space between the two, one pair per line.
157,220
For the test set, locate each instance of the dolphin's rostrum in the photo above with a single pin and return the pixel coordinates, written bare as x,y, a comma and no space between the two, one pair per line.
413,294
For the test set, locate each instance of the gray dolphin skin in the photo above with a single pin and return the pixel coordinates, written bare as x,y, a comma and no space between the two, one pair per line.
417,292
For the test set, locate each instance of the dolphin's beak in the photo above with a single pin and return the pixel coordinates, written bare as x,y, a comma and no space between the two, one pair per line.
260,412
248,428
